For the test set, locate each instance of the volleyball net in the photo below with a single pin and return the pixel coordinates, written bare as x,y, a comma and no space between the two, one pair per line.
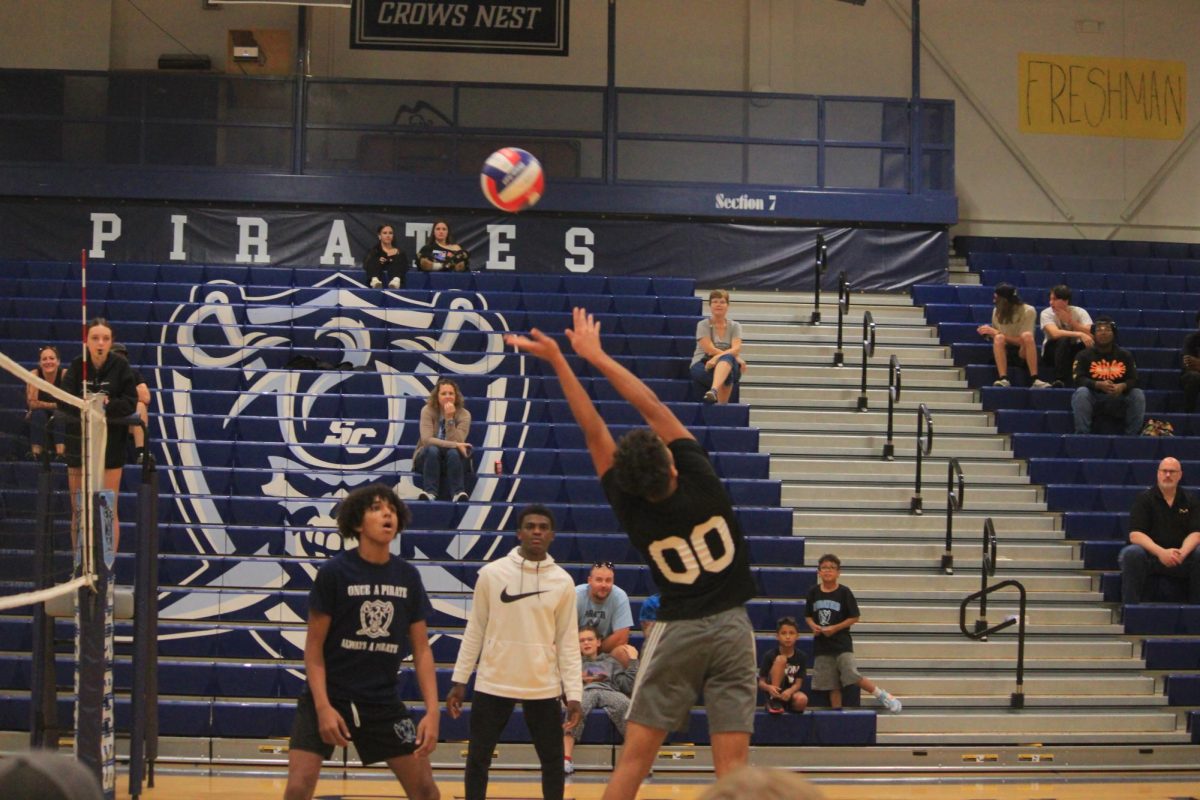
93,436
48,580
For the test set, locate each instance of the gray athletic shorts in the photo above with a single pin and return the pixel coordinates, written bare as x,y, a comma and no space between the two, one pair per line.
834,672
682,658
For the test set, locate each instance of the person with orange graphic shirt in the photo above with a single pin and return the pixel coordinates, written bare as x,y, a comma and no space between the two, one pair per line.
1107,379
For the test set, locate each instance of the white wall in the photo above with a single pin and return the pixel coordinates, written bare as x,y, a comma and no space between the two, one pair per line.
1008,183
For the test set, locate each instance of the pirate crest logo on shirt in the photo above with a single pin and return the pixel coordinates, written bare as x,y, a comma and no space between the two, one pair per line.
259,447
375,618
824,616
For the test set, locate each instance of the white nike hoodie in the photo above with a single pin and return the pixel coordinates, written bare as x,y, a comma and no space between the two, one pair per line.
523,631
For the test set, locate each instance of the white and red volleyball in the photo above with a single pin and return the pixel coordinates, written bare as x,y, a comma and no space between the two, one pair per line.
512,179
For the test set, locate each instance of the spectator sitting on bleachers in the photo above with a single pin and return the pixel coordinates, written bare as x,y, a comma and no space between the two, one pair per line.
717,364
648,613
384,261
143,405
443,452
1190,379
1066,329
781,674
1106,375
1011,333
603,605
1164,531
607,684
40,416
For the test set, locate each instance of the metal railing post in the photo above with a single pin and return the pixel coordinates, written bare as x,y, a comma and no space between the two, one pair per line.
916,505
868,350
821,263
1017,699
889,447
954,502
987,568
839,357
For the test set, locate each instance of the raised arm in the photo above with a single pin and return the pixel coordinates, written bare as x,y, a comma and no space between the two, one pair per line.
595,432
585,339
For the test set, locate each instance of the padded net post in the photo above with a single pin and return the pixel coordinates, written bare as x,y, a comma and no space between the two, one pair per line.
94,712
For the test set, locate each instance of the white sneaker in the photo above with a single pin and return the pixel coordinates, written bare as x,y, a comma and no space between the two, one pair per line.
892,704
424,497
568,766
461,497
1040,384
394,283
376,283
1002,382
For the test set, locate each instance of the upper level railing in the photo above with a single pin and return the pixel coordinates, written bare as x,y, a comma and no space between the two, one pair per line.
585,135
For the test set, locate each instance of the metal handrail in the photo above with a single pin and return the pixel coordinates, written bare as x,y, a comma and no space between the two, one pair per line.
955,497
868,350
821,257
987,569
924,419
839,357
889,447
1017,699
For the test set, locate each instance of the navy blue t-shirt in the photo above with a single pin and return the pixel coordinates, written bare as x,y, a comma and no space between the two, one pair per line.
372,607
830,608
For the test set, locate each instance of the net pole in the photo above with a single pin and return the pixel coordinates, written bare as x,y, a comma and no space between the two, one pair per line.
94,712
88,486
43,694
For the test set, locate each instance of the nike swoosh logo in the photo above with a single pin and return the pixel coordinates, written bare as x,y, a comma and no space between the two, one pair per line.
505,597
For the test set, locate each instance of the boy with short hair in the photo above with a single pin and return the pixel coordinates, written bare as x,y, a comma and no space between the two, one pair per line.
781,675
607,684
365,609
522,640
830,611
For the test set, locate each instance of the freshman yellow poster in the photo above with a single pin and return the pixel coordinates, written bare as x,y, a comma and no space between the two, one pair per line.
1084,96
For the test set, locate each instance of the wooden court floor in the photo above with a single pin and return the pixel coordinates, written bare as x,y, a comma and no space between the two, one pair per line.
1060,786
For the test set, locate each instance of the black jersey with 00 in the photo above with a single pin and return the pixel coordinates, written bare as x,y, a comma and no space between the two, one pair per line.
691,540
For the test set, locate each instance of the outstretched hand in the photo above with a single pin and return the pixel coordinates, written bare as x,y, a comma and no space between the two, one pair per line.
536,344
585,335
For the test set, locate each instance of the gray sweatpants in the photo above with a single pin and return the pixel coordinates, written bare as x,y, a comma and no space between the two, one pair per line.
615,704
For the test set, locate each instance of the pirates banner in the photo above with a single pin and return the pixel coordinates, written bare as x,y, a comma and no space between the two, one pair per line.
713,253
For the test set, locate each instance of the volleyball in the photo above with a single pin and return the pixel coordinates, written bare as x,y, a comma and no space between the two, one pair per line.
512,179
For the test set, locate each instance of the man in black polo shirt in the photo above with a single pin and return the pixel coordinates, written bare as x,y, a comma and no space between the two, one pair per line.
1164,531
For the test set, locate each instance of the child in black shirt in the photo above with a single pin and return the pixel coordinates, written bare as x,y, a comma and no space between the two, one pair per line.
781,674
830,611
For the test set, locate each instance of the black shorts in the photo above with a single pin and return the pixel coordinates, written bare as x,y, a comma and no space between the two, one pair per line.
378,731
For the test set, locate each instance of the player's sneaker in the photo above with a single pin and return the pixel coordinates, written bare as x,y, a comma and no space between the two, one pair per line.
891,703
775,706
376,283
568,766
